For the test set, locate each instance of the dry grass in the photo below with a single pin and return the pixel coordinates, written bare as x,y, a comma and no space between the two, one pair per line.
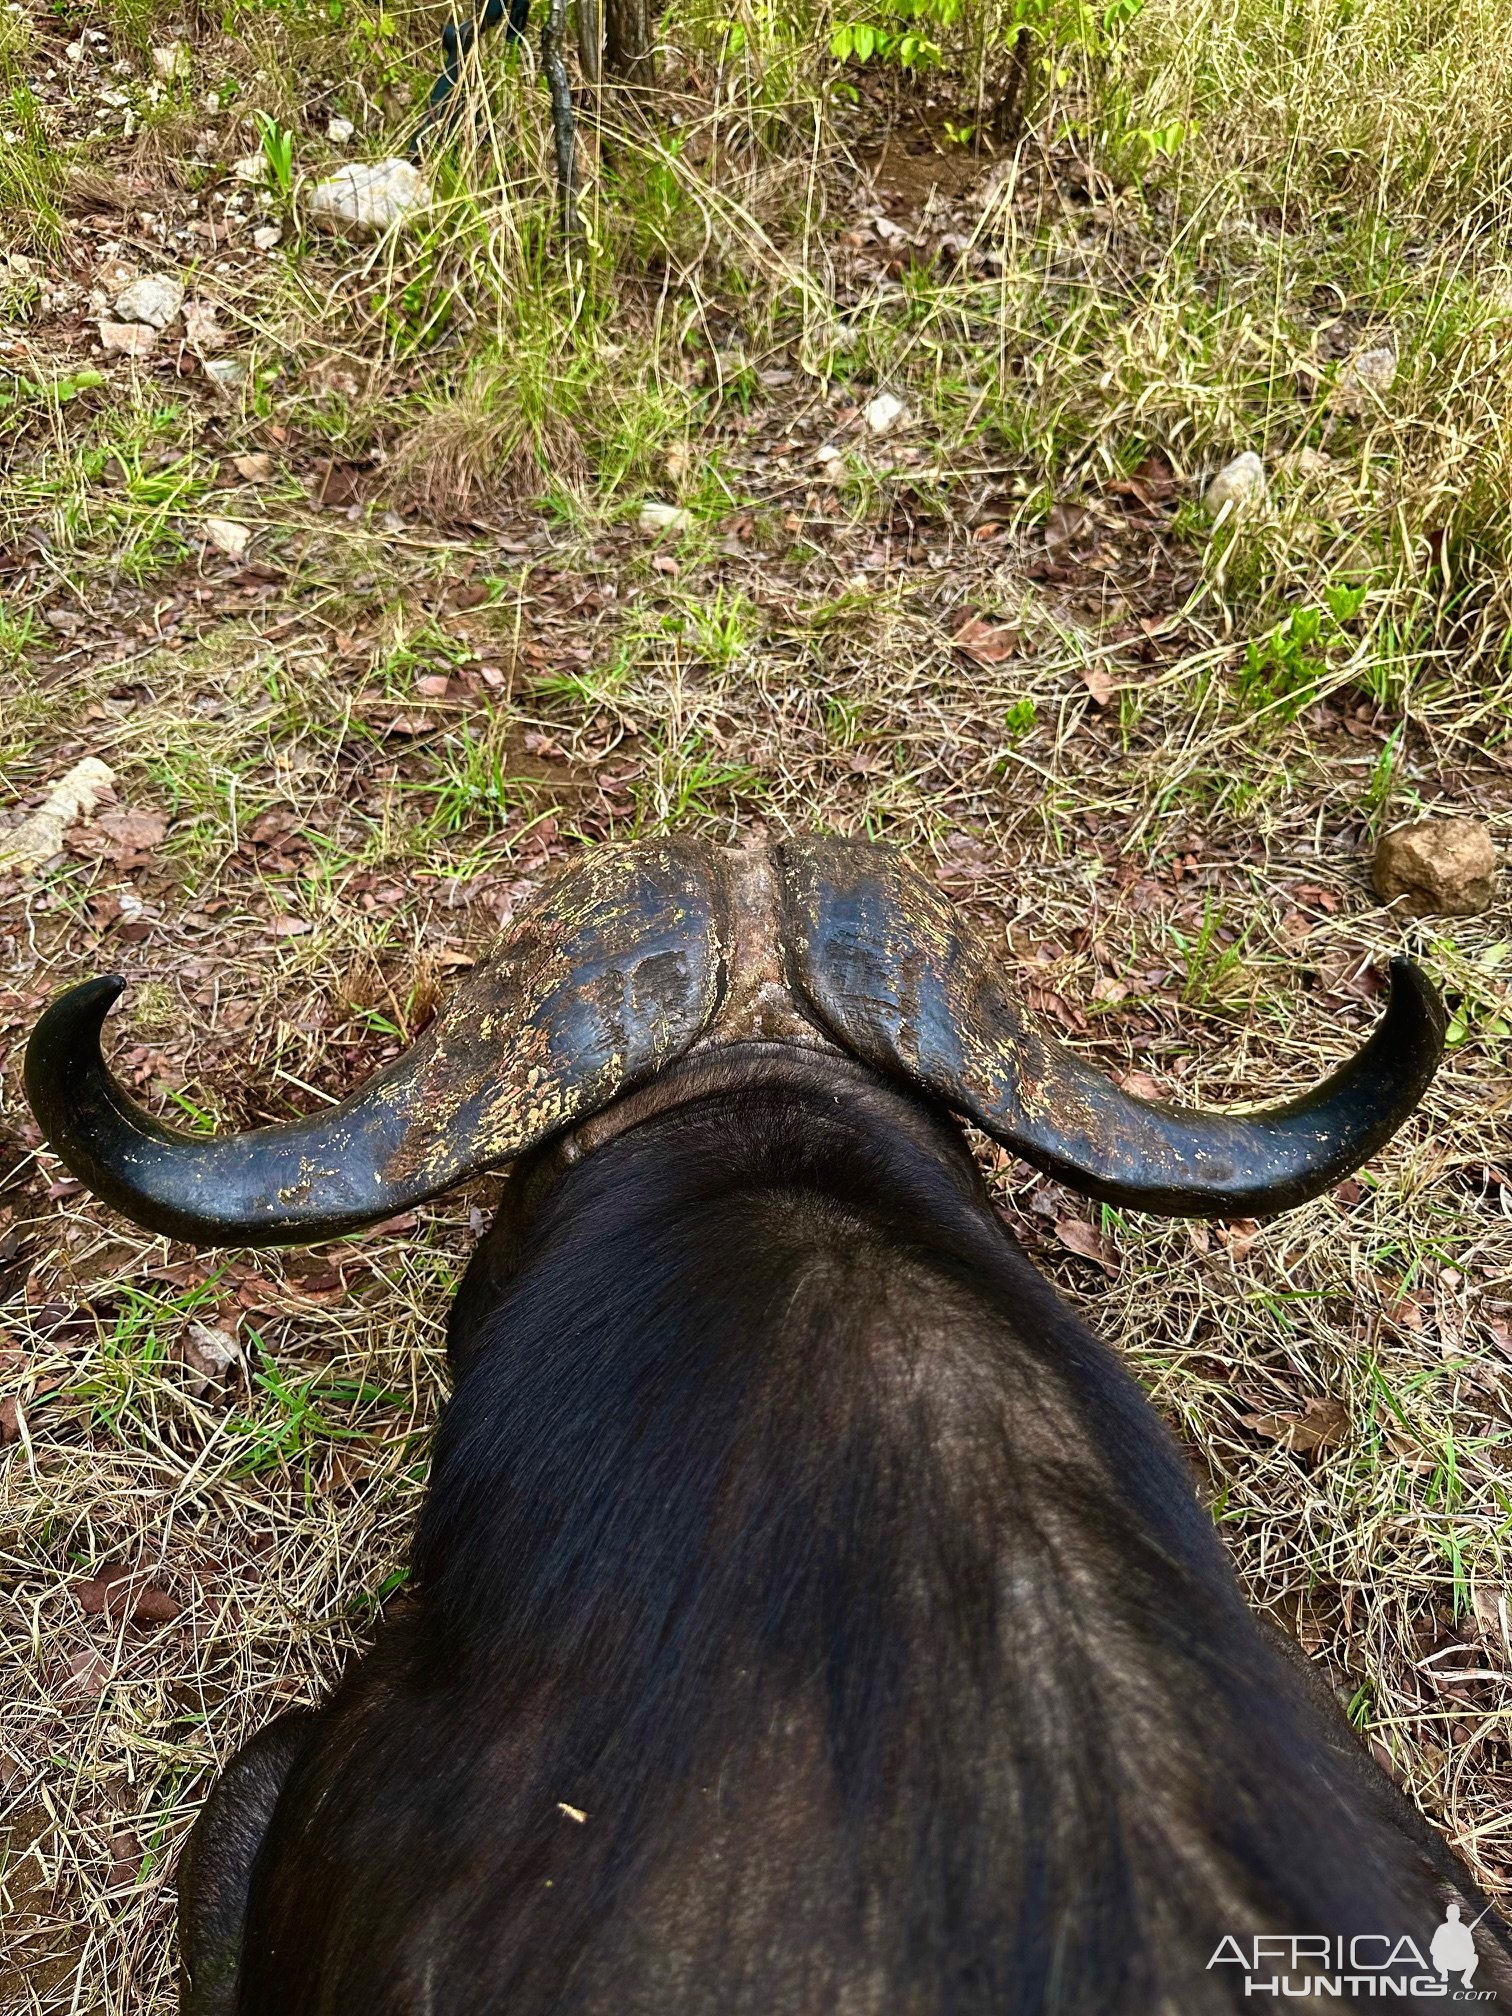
448,658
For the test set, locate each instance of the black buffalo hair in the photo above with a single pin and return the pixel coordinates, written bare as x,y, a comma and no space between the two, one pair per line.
809,1617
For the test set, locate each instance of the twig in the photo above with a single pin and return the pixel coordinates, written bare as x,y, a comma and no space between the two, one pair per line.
563,129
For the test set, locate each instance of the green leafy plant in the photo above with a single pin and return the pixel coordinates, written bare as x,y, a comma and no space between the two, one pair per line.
901,33
277,144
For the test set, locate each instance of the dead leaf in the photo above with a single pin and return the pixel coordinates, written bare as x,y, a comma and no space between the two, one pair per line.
1098,684
209,1354
202,332
1490,1605
133,833
433,686
1406,1312
10,1420
123,1592
337,484
253,468
1322,1424
1077,1236
88,1674
989,643
1239,1237
227,537
1142,1086
1064,523
125,1859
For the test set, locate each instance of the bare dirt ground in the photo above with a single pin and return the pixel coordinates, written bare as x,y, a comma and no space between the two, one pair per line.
373,635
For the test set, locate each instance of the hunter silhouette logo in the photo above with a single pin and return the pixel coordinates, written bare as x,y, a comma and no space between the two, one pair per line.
1453,1947
1364,1966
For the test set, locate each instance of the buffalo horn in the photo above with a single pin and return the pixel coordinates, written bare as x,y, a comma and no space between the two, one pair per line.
895,975
609,977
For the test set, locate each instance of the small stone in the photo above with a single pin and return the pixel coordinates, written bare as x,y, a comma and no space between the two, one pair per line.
369,198
128,339
1237,485
655,517
250,168
227,537
1437,868
339,131
154,299
266,236
885,413
1366,378
172,62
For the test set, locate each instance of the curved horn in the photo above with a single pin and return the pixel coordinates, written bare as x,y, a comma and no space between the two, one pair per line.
894,974
604,980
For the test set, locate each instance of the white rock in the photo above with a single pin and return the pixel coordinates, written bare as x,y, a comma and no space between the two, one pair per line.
1237,485
369,197
250,168
655,517
128,339
266,237
1366,378
227,537
172,62
154,299
72,798
885,413
339,131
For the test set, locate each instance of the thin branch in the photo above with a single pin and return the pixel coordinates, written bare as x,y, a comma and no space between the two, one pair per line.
563,128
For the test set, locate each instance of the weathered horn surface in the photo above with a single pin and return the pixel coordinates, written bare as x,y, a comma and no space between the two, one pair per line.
611,975
895,975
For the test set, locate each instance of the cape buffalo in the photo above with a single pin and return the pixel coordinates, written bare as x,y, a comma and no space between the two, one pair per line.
809,1616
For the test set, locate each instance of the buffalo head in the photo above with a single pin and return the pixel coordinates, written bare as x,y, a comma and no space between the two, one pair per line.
640,955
